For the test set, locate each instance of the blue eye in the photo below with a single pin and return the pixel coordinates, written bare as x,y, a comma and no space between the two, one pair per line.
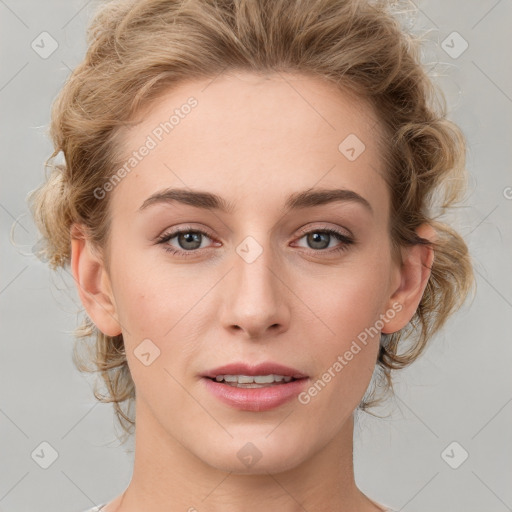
190,240
318,237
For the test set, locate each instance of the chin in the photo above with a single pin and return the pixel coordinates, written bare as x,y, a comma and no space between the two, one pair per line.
256,454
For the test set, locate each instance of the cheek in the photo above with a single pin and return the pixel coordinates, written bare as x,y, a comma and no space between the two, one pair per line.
352,297
139,303
161,304
349,303
148,297
156,332
347,353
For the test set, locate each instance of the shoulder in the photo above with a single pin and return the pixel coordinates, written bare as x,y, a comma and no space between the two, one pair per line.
384,508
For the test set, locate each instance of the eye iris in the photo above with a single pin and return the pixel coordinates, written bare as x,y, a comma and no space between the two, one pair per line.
189,237
316,238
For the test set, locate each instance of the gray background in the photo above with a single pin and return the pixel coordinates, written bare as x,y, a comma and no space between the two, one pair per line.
460,390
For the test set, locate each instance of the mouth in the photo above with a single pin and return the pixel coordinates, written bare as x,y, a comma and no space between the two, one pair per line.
254,388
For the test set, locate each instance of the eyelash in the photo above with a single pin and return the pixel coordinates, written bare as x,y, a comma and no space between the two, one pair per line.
346,241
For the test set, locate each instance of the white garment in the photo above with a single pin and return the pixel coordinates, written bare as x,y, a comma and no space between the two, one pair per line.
99,507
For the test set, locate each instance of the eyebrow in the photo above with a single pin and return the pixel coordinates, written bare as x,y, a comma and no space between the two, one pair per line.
298,200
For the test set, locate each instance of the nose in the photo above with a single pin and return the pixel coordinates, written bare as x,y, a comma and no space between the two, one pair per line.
256,297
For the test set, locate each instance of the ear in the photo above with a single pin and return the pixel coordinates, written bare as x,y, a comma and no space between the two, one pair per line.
413,276
93,283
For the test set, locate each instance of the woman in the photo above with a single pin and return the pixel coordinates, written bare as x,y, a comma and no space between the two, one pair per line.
248,208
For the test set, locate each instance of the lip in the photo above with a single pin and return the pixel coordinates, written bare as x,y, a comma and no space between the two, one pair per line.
255,399
265,368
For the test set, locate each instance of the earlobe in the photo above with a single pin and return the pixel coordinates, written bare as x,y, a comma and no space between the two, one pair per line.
417,261
93,284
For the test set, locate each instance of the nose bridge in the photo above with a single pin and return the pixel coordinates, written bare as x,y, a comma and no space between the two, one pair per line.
255,300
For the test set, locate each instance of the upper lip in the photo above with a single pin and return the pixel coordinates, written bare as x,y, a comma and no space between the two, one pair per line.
266,368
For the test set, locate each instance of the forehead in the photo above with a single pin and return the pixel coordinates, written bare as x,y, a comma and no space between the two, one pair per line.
250,137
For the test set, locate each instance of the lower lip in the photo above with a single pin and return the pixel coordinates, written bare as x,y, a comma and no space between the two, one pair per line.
255,399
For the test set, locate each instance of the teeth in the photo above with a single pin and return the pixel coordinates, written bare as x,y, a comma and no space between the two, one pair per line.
250,379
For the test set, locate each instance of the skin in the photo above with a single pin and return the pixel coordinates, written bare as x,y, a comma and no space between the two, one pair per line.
253,140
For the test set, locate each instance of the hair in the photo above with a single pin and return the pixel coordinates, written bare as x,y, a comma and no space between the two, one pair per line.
138,50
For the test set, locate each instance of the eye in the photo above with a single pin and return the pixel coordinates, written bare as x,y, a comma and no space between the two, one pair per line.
189,240
320,240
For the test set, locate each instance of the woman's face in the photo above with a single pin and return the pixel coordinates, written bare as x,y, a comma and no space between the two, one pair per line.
267,283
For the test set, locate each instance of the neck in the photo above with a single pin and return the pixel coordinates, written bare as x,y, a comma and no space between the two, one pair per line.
168,476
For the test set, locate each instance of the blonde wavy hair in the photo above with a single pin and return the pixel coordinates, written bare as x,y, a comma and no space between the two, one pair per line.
137,50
